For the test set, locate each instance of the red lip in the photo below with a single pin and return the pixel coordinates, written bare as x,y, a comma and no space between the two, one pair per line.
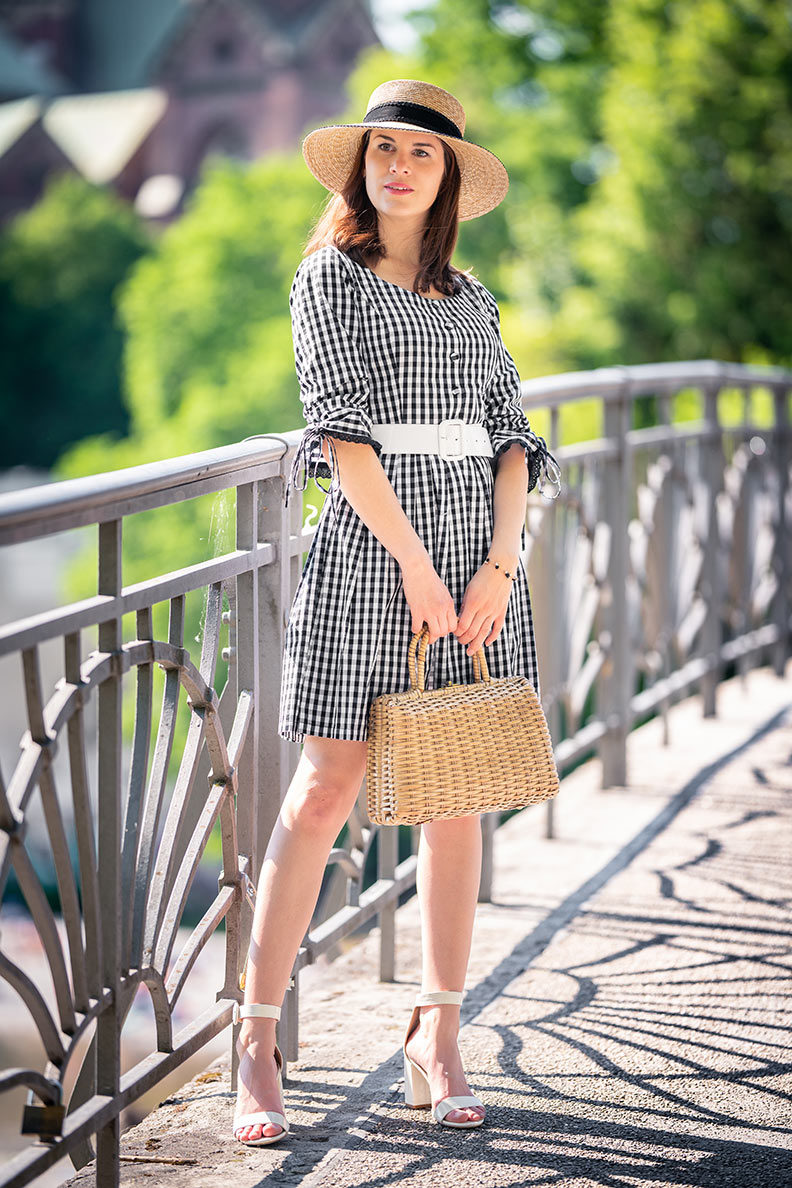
404,189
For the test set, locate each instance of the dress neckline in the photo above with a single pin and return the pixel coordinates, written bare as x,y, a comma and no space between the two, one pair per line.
392,284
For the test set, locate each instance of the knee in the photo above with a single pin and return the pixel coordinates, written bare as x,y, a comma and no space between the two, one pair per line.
448,830
326,795
319,807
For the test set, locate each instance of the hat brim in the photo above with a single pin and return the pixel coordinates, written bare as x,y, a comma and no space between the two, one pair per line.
330,153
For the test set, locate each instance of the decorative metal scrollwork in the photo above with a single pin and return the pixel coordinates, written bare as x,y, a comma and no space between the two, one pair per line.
157,861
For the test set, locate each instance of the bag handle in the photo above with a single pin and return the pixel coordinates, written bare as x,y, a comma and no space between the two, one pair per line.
419,641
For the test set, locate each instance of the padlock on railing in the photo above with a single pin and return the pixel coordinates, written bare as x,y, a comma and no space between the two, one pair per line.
43,1118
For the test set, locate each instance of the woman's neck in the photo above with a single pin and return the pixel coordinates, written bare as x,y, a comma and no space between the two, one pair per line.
402,244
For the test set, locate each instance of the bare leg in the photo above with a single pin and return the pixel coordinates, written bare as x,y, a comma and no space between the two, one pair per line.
448,877
321,796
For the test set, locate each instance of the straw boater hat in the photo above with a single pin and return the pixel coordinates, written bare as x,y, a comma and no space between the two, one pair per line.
330,150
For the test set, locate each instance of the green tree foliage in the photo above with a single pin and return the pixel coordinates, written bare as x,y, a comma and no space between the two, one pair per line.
60,343
208,354
650,148
688,243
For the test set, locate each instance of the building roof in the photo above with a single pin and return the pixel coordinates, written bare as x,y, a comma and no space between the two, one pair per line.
120,39
99,133
15,119
123,40
23,73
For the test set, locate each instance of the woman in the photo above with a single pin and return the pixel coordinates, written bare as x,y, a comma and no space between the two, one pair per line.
413,407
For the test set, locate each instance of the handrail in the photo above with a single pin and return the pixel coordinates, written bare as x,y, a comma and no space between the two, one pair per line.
32,512
37,511
637,379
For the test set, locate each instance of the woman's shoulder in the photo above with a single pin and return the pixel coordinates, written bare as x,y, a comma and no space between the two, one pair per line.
480,292
325,266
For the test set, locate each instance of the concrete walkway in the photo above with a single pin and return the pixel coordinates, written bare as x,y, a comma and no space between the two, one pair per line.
628,1006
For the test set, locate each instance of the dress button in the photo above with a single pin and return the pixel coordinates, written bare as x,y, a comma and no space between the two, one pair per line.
454,355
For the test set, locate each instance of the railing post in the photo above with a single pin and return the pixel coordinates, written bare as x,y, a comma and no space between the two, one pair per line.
489,823
387,859
108,1024
275,754
552,660
712,474
616,675
781,565
264,770
247,670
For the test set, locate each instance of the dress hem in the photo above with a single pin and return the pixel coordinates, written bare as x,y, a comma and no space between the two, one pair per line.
295,735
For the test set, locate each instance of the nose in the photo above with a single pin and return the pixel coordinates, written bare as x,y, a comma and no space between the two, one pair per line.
400,159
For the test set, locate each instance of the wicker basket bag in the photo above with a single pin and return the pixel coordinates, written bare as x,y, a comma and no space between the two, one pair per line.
457,750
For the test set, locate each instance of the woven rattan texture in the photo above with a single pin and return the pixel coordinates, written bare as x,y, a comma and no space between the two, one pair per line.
457,750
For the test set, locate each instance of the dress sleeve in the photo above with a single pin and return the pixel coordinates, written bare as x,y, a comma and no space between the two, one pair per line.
333,378
505,419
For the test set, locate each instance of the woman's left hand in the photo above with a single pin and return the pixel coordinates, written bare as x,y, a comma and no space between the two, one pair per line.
484,603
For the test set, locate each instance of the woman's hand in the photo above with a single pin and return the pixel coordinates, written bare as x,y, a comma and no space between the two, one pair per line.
429,600
485,602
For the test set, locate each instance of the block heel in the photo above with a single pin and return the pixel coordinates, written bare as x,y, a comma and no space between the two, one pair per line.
416,1087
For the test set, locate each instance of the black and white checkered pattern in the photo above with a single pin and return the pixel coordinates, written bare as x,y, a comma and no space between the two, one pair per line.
369,351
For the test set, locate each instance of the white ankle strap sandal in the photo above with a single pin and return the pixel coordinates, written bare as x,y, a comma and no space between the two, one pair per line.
255,1010
261,1010
438,997
417,1092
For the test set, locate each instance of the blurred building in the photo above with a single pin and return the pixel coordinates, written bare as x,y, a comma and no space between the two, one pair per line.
136,93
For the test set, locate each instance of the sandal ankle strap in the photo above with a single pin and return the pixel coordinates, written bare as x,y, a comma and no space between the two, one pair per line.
435,997
255,1010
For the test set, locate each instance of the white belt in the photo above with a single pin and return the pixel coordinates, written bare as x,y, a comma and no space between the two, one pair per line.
450,439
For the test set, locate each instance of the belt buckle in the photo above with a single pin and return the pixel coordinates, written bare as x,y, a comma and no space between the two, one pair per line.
450,438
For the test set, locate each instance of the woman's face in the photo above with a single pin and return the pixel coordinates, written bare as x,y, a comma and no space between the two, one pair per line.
403,171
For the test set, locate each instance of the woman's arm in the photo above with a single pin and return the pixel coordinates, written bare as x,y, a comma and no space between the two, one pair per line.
367,488
334,388
486,597
509,495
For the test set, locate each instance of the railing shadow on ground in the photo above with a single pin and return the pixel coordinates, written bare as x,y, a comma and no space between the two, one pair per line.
663,564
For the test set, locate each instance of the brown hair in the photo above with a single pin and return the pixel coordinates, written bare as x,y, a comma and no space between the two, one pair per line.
349,222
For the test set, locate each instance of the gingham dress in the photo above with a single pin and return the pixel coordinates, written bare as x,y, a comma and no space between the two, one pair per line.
368,351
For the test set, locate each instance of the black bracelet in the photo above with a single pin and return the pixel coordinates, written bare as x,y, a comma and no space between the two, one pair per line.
513,576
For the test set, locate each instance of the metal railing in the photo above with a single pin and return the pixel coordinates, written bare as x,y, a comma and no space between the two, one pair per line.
664,560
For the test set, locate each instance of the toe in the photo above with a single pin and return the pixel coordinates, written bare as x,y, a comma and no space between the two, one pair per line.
257,1131
467,1114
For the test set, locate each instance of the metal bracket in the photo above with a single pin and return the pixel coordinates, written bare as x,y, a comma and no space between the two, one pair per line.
249,891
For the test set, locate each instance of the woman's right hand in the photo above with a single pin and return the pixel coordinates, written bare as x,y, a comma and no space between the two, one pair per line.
428,599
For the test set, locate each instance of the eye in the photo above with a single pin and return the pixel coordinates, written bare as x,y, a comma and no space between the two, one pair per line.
386,144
